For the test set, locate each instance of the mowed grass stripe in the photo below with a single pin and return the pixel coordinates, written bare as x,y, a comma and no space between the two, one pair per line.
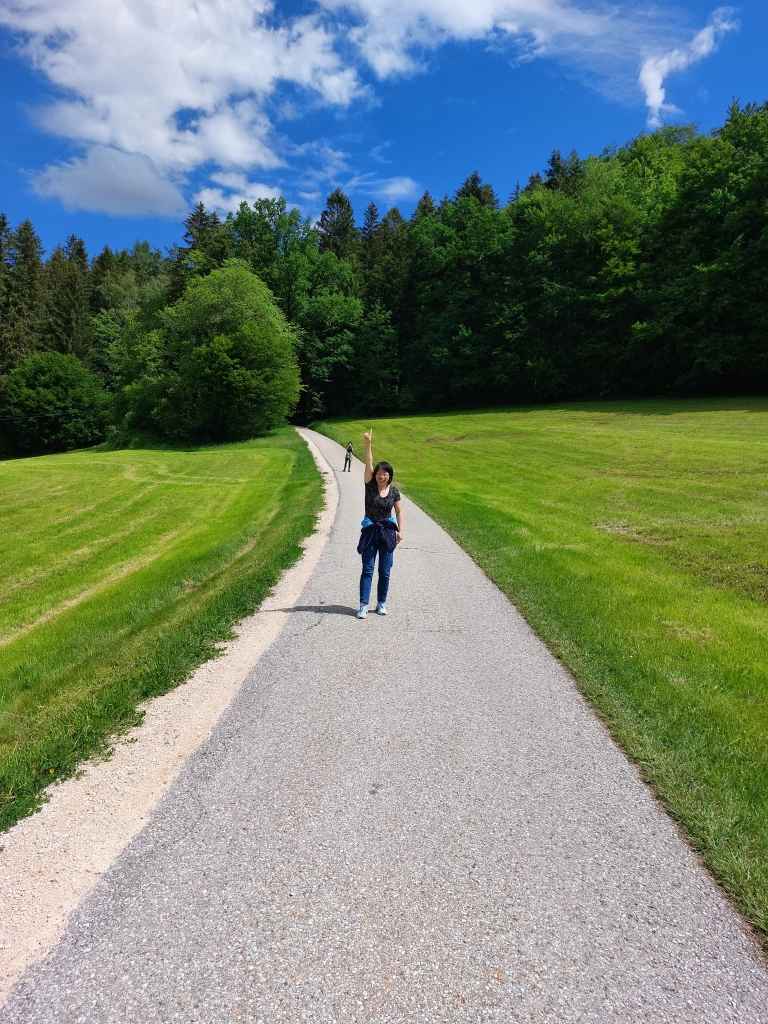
131,515
634,538
138,564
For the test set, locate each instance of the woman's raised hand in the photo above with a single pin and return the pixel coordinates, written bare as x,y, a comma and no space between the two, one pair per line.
368,474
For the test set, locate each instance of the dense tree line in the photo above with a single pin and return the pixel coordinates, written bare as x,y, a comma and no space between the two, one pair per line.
640,271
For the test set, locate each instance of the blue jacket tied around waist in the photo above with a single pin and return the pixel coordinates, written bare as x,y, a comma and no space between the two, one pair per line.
384,533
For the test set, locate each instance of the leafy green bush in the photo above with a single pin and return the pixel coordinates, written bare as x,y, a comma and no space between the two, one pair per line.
52,403
222,366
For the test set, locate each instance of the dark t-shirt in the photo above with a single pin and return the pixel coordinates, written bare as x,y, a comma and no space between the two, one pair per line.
376,507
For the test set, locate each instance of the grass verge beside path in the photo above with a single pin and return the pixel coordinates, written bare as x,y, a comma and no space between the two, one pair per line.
634,538
119,573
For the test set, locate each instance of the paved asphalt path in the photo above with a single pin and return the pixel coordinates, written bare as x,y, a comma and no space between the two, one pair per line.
410,818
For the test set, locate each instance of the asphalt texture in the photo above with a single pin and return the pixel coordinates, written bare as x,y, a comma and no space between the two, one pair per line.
407,818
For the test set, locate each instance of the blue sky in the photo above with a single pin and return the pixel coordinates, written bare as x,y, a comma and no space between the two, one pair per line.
119,116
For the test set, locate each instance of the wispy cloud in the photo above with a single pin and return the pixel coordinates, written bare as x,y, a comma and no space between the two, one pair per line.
377,153
392,34
607,43
392,189
326,164
656,68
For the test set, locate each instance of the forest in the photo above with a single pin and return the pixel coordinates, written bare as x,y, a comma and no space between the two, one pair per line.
640,271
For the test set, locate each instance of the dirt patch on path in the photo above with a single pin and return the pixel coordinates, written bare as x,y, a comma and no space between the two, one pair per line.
54,858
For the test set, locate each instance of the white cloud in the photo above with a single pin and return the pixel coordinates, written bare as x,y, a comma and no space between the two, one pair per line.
130,66
185,84
233,189
391,189
179,87
606,42
107,180
656,68
390,33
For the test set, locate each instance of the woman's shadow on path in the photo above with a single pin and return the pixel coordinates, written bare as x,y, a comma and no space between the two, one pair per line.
323,609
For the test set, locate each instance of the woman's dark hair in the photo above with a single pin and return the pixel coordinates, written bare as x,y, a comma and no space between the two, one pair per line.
386,467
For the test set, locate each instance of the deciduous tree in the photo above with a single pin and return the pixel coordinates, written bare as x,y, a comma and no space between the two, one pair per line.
222,366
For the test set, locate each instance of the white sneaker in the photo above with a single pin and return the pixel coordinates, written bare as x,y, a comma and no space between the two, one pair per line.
381,609
363,611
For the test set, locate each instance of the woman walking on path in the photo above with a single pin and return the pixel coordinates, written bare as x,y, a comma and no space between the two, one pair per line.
380,532
348,457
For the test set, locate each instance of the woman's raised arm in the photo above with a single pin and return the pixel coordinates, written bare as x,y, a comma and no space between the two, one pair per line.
368,457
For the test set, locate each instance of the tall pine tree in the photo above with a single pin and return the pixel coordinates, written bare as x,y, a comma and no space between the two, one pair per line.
369,251
425,207
67,325
370,222
206,249
475,188
564,175
101,268
336,226
5,270
25,300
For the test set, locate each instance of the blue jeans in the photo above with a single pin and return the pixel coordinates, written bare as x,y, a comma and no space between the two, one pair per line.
385,567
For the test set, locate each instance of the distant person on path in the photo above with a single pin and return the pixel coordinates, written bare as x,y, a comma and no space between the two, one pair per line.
348,457
380,532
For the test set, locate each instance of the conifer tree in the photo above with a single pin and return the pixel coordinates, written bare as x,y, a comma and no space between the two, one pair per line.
67,325
370,221
425,207
387,270
483,193
369,245
199,226
535,182
102,267
563,174
336,226
203,234
5,243
55,288
25,302
208,246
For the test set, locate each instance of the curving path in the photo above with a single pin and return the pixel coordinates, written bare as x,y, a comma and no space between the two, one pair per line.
411,818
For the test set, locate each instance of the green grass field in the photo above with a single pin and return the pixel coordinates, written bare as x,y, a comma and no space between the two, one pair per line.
634,538
119,572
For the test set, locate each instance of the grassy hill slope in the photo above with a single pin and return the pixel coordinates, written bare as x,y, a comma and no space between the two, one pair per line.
634,538
119,572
